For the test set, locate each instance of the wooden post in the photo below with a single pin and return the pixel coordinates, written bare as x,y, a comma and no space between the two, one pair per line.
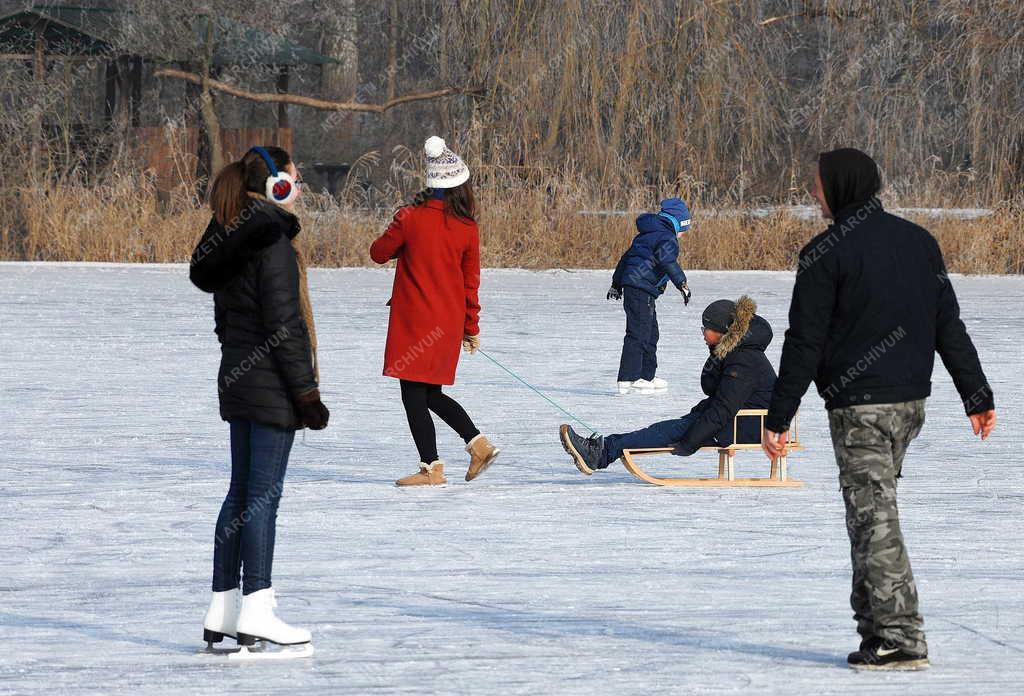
136,90
282,88
721,464
39,57
68,115
38,77
110,83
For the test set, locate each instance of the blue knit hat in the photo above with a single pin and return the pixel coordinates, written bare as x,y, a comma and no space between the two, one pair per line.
676,212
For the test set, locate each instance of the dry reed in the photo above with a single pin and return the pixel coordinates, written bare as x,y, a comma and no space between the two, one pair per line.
521,226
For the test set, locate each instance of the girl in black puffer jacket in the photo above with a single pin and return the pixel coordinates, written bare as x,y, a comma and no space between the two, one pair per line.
267,382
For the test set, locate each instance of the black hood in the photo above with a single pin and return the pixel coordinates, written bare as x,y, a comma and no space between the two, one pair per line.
759,335
223,252
746,330
848,177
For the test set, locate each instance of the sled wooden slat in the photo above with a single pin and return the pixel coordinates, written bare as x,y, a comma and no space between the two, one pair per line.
778,476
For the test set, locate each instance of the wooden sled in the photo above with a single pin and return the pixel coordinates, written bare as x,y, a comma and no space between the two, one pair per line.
778,476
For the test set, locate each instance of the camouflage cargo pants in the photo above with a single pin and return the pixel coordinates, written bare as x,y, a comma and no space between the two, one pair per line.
870,442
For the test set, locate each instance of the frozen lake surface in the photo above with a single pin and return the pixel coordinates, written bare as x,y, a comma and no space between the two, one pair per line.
532,579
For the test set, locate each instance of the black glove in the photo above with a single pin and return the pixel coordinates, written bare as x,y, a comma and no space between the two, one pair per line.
685,289
614,293
312,411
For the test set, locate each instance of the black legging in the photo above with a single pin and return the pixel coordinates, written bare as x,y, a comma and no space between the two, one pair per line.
420,398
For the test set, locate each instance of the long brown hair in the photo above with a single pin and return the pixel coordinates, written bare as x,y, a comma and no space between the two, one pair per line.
458,201
228,195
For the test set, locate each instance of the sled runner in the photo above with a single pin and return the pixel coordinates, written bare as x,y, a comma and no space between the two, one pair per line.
778,476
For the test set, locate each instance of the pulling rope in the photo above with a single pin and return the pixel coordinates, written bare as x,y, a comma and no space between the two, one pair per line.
537,391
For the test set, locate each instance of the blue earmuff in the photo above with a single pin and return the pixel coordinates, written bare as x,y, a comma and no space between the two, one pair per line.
281,187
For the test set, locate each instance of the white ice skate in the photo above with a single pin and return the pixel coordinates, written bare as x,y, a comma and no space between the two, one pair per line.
640,386
259,626
221,618
659,384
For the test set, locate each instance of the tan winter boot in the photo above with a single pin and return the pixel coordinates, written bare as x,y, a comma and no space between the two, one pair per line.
482,454
429,475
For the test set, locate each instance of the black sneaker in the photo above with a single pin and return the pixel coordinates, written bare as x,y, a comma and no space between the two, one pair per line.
881,654
586,452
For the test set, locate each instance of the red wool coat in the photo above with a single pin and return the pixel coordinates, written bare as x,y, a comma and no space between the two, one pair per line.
434,300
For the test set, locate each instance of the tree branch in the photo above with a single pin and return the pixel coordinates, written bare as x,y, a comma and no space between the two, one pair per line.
311,102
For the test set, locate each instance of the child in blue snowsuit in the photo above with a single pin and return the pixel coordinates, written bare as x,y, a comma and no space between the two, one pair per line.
641,276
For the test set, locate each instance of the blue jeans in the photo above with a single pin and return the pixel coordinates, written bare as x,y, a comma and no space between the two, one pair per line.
640,347
663,434
248,518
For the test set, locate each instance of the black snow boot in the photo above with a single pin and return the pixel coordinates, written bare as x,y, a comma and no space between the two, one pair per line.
881,654
586,452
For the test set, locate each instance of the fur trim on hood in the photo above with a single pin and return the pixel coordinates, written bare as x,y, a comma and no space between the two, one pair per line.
742,315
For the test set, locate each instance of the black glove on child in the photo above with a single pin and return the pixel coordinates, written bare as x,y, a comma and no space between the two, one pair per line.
614,293
312,411
685,289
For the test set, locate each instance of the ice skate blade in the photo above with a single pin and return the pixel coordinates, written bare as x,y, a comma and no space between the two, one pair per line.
218,650
908,666
286,652
212,637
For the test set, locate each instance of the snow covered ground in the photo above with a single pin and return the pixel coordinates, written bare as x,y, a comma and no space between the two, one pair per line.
533,579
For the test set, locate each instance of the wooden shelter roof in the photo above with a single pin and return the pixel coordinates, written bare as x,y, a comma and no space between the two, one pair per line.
71,30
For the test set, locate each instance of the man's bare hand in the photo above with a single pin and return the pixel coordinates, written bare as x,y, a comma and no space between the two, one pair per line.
984,423
774,444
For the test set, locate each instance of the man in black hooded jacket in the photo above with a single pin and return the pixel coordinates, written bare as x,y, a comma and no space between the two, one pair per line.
871,306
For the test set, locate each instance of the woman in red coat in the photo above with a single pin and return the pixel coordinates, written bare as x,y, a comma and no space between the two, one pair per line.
434,308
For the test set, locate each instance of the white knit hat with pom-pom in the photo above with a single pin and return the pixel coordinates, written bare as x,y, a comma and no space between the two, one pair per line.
445,169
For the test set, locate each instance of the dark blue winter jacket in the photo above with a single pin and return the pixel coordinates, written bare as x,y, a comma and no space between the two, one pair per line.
652,259
736,375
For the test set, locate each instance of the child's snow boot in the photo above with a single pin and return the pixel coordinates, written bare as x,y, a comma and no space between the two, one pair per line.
640,386
587,452
222,617
482,454
429,475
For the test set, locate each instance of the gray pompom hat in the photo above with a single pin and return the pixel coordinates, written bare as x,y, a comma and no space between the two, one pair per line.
718,315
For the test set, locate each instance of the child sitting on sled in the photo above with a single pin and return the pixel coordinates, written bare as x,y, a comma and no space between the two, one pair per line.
736,375
640,278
